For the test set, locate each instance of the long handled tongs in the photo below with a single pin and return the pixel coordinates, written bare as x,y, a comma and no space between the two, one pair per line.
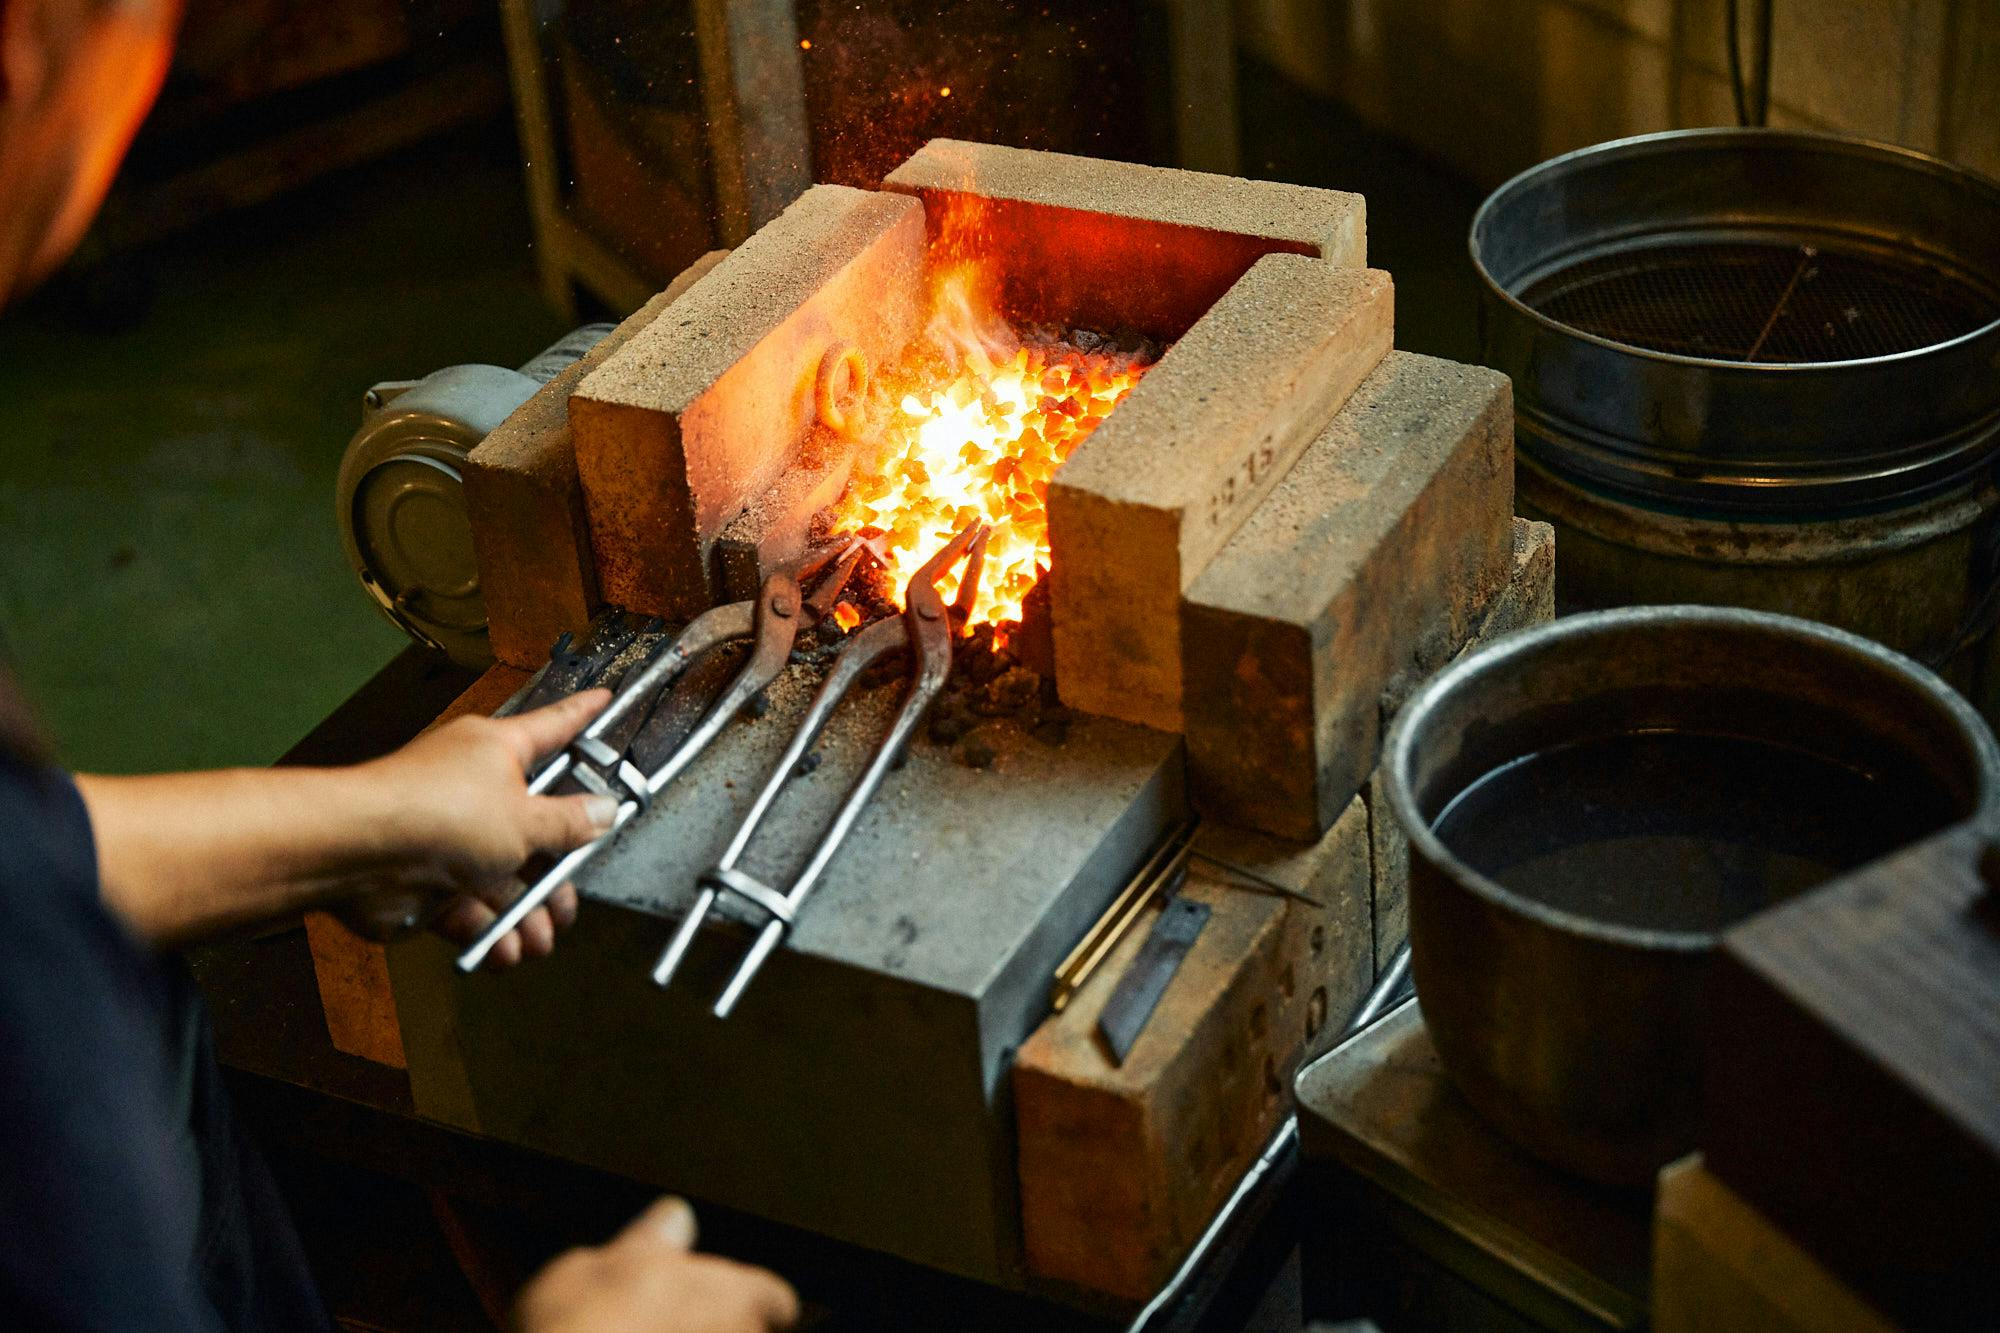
927,627
640,769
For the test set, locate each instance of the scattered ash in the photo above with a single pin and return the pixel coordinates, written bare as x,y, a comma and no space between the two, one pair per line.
989,688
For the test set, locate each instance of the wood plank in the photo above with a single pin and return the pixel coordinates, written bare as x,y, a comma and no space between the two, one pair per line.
753,86
534,122
1720,1266
1854,1078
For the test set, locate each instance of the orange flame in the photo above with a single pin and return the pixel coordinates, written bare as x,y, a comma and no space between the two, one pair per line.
971,427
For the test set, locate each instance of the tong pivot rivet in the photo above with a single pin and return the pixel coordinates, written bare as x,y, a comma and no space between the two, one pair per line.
929,612
782,606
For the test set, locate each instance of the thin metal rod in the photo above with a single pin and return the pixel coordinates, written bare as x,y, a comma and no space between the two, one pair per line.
1076,967
1806,255
677,947
1254,881
1282,1145
540,892
869,646
1385,992
725,710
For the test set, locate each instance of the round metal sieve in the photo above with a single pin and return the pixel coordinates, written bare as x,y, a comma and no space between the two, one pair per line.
1748,322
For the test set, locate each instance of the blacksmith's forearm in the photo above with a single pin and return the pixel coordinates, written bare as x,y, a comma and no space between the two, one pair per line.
184,855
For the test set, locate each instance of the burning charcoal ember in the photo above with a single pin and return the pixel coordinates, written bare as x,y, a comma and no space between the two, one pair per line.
893,667
1011,691
980,659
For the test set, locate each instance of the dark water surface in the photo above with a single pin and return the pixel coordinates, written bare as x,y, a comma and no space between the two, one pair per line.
1679,831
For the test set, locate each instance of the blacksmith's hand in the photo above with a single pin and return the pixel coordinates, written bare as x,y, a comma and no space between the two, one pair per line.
469,824
650,1280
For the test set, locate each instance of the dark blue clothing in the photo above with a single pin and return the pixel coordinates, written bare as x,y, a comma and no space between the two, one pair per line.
127,1199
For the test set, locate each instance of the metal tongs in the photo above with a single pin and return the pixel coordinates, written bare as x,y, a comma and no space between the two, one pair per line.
927,627
641,767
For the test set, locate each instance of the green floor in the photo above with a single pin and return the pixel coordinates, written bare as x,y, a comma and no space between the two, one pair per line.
173,592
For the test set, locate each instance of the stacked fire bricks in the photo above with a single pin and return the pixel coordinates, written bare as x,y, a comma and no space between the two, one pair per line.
1281,530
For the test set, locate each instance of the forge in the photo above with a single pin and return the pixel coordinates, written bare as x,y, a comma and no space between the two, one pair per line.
1225,524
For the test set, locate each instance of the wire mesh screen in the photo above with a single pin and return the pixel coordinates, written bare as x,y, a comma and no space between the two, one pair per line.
1752,301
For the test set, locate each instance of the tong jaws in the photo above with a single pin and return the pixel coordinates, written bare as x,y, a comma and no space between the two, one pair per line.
927,626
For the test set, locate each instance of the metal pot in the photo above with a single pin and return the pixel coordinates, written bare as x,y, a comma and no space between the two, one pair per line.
1757,368
1578,1036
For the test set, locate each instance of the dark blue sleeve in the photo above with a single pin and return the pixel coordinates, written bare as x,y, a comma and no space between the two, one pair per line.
100,1193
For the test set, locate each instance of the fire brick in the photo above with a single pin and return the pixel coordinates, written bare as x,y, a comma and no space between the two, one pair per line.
1138,511
529,532
1529,598
1110,245
702,411
1123,1165
1384,541
777,527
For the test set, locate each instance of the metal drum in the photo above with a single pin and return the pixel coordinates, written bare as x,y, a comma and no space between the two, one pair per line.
1573,1020
1757,368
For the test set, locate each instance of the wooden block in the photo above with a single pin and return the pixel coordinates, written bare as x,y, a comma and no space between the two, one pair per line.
1122,1167
352,972
701,412
1108,245
1529,598
753,91
1720,1266
1143,505
529,531
1377,549
1853,1079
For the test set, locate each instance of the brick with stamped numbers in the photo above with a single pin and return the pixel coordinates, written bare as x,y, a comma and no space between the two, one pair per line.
1143,505
1372,557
